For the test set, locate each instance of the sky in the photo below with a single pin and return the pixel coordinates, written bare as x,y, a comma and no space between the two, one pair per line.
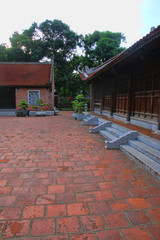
133,18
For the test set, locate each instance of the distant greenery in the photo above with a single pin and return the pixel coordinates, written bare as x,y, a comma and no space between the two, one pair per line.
101,46
56,39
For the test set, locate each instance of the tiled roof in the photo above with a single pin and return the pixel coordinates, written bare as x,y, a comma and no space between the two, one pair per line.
154,34
24,74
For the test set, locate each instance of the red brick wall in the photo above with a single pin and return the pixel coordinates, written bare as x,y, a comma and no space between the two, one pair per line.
45,94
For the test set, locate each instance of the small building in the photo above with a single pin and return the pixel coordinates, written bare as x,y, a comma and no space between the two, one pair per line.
26,81
127,86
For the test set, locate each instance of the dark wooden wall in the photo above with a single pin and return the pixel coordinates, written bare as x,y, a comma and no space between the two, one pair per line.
146,96
130,94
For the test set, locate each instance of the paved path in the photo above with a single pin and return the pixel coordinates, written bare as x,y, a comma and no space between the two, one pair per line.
58,182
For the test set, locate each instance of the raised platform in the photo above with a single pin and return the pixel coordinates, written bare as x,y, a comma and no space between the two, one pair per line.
11,113
141,148
7,112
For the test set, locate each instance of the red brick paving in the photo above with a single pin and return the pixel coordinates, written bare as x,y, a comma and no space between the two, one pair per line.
58,182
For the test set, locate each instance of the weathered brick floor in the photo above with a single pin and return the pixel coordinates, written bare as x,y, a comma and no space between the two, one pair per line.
57,182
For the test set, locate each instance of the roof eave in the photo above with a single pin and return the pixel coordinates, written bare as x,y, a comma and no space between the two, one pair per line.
127,53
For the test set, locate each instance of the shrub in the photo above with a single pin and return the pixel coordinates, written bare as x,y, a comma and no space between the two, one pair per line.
23,104
78,103
39,104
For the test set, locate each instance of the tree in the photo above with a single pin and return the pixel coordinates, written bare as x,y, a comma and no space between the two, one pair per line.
12,54
50,38
60,42
29,43
76,85
101,46
55,39
3,56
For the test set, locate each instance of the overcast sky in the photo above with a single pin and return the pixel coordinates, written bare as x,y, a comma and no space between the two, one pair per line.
133,18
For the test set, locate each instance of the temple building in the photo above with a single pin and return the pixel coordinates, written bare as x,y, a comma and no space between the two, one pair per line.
127,86
26,81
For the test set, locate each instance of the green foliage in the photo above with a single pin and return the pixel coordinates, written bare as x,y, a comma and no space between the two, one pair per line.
25,47
101,46
13,54
60,40
56,39
65,103
79,103
23,104
3,56
39,104
35,107
29,43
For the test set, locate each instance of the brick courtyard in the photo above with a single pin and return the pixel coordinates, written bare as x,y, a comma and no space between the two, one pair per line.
58,182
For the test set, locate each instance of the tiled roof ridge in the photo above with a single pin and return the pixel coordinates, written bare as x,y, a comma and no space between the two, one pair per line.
150,36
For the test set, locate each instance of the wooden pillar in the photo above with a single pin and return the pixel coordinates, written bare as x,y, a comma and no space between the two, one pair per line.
113,101
102,98
159,113
114,86
92,97
130,89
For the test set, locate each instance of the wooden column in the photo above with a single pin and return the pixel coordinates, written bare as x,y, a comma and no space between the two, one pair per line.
159,113
92,97
102,98
130,89
115,79
113,97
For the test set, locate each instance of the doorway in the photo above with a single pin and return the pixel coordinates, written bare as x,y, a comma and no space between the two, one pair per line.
7,98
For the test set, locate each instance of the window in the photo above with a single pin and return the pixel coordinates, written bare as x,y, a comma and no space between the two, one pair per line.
33,96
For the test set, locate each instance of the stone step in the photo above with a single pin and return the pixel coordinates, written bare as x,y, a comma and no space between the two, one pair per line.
87,118
152,142
113,131
7,113
90,120
107,135
120,128
101,121
145,149
146,162
100,127
122,140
